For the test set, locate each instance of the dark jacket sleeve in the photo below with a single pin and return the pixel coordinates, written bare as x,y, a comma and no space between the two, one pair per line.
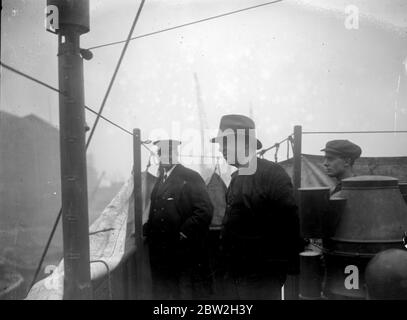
201,207
280,190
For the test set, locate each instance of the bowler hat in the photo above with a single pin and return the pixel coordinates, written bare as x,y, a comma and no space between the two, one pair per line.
236,124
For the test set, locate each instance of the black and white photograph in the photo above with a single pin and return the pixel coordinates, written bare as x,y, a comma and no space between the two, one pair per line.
203,155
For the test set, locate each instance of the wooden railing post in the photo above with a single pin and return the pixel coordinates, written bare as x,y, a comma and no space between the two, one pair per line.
297,159
291,287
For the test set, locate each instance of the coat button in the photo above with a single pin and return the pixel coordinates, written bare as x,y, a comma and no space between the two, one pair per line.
162,208
162,220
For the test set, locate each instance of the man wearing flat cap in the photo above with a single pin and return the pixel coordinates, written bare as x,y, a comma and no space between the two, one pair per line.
260,238
340,155
177,227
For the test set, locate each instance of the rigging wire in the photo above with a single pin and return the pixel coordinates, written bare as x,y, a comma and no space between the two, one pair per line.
6,66
60,92
187,24
276,145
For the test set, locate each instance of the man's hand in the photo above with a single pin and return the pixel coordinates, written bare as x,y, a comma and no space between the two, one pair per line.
182,236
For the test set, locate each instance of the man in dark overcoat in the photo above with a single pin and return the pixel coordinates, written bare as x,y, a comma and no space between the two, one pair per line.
261,239
177,228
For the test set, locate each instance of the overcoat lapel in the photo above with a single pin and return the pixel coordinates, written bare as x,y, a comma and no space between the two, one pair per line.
163,187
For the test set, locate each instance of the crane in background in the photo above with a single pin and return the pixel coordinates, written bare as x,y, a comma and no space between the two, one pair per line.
203,122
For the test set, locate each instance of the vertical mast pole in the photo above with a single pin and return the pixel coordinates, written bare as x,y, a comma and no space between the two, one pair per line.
73,21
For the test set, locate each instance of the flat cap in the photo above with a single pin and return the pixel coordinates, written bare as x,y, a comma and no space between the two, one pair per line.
343,148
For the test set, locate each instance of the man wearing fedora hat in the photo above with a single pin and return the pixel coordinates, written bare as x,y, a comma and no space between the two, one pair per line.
177,227
260,237
340,155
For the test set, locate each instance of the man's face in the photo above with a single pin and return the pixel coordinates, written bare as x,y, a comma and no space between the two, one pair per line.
165,157
229,150
240,152
335,166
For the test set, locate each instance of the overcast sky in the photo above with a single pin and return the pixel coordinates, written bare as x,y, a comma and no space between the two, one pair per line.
288,63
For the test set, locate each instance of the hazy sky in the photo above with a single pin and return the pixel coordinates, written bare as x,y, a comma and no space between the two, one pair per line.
291,63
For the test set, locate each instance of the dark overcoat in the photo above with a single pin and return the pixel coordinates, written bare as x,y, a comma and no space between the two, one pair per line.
261,224
180,204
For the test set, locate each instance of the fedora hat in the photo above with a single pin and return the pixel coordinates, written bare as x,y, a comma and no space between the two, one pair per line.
235,123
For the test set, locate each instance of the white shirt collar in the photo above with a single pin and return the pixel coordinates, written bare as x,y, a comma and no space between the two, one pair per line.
170,171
